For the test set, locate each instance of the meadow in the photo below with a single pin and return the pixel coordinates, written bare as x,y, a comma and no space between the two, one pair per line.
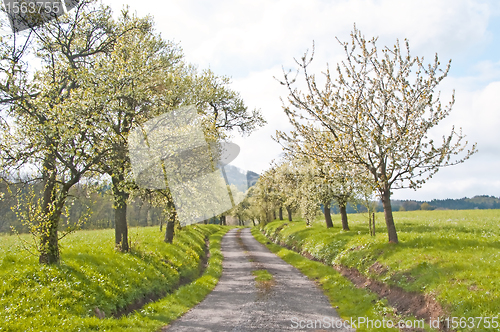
94,279
450,255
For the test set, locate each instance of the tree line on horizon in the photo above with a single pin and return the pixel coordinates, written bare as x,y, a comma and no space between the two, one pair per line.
95,206
481,202
141,213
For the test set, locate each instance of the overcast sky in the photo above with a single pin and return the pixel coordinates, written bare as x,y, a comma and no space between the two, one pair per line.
250,41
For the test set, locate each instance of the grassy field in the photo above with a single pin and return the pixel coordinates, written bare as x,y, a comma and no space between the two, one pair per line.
92,275
452,255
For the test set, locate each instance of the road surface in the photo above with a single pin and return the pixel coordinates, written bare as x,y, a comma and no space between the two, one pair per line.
291,302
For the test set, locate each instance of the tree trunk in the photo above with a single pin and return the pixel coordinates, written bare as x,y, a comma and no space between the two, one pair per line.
169,234
120,205
170,224
370,223
49,253
274,214
389,220
343,214
149,218
328,217
281,213
49,240
49,181
264,219
373,223
270,215
289,210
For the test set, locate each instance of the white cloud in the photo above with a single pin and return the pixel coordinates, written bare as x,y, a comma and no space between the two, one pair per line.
477,113
243,36
471,178
259,149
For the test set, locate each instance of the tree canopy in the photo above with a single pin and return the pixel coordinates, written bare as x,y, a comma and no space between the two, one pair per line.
67,119
375,112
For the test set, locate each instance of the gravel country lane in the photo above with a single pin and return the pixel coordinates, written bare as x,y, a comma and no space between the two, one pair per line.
236,304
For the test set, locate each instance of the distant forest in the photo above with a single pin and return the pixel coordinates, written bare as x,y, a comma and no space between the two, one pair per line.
93,206
96,206
476,202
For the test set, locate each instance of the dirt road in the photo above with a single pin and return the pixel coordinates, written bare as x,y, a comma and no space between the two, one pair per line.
291,302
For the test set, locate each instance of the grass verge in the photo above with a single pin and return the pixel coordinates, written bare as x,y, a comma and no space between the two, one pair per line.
161,313
93,275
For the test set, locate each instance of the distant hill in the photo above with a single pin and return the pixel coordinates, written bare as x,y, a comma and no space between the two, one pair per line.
252,178
240,178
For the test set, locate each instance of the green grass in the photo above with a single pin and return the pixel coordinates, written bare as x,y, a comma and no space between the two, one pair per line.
264,282
160,313
262,275
452,255
92,274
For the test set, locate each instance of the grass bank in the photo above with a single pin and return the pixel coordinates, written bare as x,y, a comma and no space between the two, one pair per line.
93,275
451,256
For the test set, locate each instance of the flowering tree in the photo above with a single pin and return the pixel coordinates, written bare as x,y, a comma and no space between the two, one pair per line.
377,110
